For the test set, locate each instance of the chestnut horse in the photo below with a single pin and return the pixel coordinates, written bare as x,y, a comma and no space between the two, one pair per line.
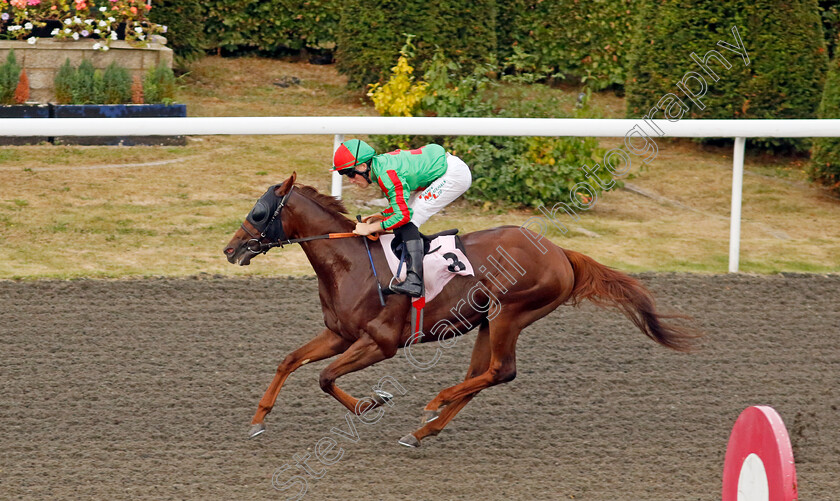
519,284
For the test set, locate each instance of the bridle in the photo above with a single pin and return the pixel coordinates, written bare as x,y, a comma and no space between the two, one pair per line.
257,246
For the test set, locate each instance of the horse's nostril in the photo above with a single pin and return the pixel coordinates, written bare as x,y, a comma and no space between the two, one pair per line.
229,250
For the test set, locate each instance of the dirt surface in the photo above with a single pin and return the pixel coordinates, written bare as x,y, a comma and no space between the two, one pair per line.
144,390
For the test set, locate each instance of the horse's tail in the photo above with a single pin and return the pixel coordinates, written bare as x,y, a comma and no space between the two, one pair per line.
605,286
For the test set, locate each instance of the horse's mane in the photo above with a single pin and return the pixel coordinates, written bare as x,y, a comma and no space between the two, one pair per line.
326,201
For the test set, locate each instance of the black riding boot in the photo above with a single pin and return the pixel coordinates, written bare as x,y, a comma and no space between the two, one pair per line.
413,284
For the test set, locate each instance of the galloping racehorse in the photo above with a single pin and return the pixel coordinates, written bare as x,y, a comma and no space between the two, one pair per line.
527,282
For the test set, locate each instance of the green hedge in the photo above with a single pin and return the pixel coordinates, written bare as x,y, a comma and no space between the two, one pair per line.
585,40
830,13
184,20
784,42
270,24
825,165
370,33
578,39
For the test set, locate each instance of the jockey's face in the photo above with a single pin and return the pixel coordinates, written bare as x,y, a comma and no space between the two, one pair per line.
358,180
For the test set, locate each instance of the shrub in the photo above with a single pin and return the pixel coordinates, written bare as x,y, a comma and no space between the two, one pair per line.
117,84
524,171
63,83
783,80
825,165
137,90
527,171
444,93
9,75
22,90
451,93
88,87
159,85
587,40
400,96
369,31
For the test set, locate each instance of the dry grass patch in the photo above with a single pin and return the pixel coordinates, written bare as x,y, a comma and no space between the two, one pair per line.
217,86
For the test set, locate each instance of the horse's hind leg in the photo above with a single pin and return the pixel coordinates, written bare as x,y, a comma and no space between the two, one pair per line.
325,345
501,369
479,363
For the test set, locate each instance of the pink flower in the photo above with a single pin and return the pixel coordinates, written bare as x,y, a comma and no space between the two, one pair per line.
20,4
33,2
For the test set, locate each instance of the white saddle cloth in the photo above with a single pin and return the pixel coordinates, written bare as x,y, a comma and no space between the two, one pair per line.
439,267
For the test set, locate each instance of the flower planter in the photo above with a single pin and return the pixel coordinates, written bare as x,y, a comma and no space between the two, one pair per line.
119,111
46,30
24,111
43,59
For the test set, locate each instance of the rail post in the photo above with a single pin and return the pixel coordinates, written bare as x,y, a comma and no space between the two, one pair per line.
735,216
336,177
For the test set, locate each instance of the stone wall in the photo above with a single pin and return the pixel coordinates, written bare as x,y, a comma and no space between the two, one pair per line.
43,59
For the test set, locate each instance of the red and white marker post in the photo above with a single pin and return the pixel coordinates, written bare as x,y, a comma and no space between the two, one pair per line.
759,460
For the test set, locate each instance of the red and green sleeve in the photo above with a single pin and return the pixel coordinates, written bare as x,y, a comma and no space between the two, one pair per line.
397,193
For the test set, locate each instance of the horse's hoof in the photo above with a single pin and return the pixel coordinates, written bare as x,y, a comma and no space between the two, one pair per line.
429,416
381,397
410,441
256,430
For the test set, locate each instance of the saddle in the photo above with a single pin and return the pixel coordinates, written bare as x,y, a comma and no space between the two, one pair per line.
396,244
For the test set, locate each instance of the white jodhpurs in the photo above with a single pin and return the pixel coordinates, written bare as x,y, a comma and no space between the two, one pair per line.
451,185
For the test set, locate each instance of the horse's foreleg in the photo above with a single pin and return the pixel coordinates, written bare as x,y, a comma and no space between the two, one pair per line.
325,345
363,353
479,363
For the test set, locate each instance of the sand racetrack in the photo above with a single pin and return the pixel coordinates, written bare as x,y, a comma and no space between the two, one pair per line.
143,389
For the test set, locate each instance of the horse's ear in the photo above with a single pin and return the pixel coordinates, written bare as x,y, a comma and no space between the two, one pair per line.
286,186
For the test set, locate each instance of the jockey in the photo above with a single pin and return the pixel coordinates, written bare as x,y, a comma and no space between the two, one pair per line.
435,177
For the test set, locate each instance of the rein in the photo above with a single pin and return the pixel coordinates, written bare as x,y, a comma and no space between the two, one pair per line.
254,245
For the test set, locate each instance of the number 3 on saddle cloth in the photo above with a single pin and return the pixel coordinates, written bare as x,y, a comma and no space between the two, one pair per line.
444,259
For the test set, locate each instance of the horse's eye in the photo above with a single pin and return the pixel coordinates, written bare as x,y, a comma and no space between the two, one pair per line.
259,213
